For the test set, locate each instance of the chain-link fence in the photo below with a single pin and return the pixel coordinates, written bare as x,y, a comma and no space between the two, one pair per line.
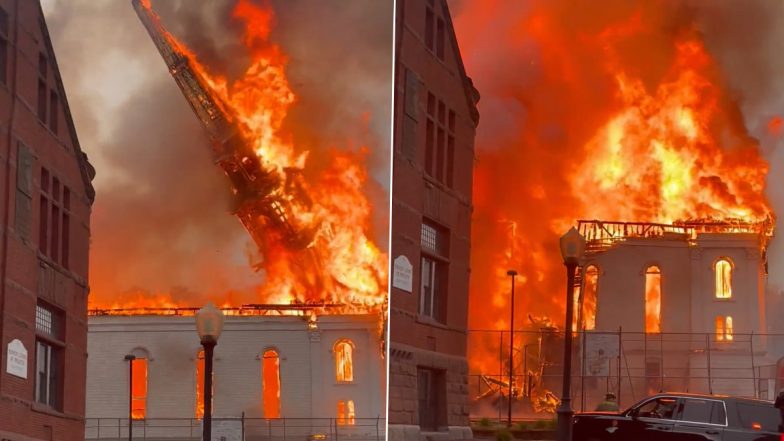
238,429
630,365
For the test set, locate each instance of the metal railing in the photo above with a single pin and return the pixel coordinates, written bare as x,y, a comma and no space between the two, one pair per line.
248,429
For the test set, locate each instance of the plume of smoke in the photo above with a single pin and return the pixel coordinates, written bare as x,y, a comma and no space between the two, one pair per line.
161,221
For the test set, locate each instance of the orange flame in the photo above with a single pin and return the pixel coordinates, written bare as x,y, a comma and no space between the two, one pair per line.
331,202
615,113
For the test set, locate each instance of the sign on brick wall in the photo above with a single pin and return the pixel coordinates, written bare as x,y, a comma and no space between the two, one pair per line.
403,274
17,359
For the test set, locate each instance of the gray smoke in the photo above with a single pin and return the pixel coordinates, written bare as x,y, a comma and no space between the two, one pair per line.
160,222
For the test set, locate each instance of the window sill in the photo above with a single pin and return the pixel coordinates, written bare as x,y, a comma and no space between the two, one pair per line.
44,409
427,320
345,383
724,300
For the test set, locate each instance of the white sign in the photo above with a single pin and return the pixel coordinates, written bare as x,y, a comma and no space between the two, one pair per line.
17,359
403,274
600,348
226,430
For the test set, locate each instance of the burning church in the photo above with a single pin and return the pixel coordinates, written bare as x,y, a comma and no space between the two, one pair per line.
308,359
637,117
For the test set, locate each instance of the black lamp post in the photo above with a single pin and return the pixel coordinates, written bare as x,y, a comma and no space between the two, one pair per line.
129,358
209,324
572,249
511,273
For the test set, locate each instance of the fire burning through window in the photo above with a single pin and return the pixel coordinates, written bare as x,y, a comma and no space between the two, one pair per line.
344,362
723,269
346,413
724,328
139,389
589,297
270,383
200,384
653,295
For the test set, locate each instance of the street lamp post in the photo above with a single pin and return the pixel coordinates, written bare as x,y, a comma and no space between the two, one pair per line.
511,273
209,324
129,358
572,249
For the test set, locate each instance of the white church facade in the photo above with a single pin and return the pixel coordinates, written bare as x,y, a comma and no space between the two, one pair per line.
322,377
688,303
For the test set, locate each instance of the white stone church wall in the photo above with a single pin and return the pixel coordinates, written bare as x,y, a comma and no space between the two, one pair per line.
307,367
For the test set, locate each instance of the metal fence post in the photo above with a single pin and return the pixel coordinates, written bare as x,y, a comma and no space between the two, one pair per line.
378,434
582,376
710,381
620,350
753,373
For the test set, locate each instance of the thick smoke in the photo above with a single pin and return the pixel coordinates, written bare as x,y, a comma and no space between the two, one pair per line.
543,76
161,223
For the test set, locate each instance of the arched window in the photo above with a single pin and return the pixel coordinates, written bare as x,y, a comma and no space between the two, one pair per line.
270,383
723,270
724,330
589,297
200,384
344,361
653,299
346,412
139,384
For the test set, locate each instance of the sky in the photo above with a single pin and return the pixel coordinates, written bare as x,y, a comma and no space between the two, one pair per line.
160,222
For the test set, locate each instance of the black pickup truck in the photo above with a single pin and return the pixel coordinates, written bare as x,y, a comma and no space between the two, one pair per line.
684,417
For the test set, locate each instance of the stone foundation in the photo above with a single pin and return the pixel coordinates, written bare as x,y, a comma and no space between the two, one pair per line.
403,395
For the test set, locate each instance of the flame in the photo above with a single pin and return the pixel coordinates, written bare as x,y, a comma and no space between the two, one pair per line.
615,113
328,200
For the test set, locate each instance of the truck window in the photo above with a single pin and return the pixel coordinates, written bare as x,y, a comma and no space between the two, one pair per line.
759,416
663,408
703,411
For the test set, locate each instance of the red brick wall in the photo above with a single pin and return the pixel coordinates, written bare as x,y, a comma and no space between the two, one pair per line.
416,196
27,275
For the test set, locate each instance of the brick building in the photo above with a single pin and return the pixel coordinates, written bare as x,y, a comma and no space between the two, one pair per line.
287,376
435,119
45,183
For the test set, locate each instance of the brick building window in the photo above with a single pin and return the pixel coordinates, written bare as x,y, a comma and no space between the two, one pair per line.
270,383
434,271
344,361
724,330
139,387
54,228
200,384
3,46
54,106
346,414
723,272
435,31
49,363
440,141
43,90
48,100
653,300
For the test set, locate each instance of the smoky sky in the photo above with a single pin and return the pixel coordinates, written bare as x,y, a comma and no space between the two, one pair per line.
161,221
